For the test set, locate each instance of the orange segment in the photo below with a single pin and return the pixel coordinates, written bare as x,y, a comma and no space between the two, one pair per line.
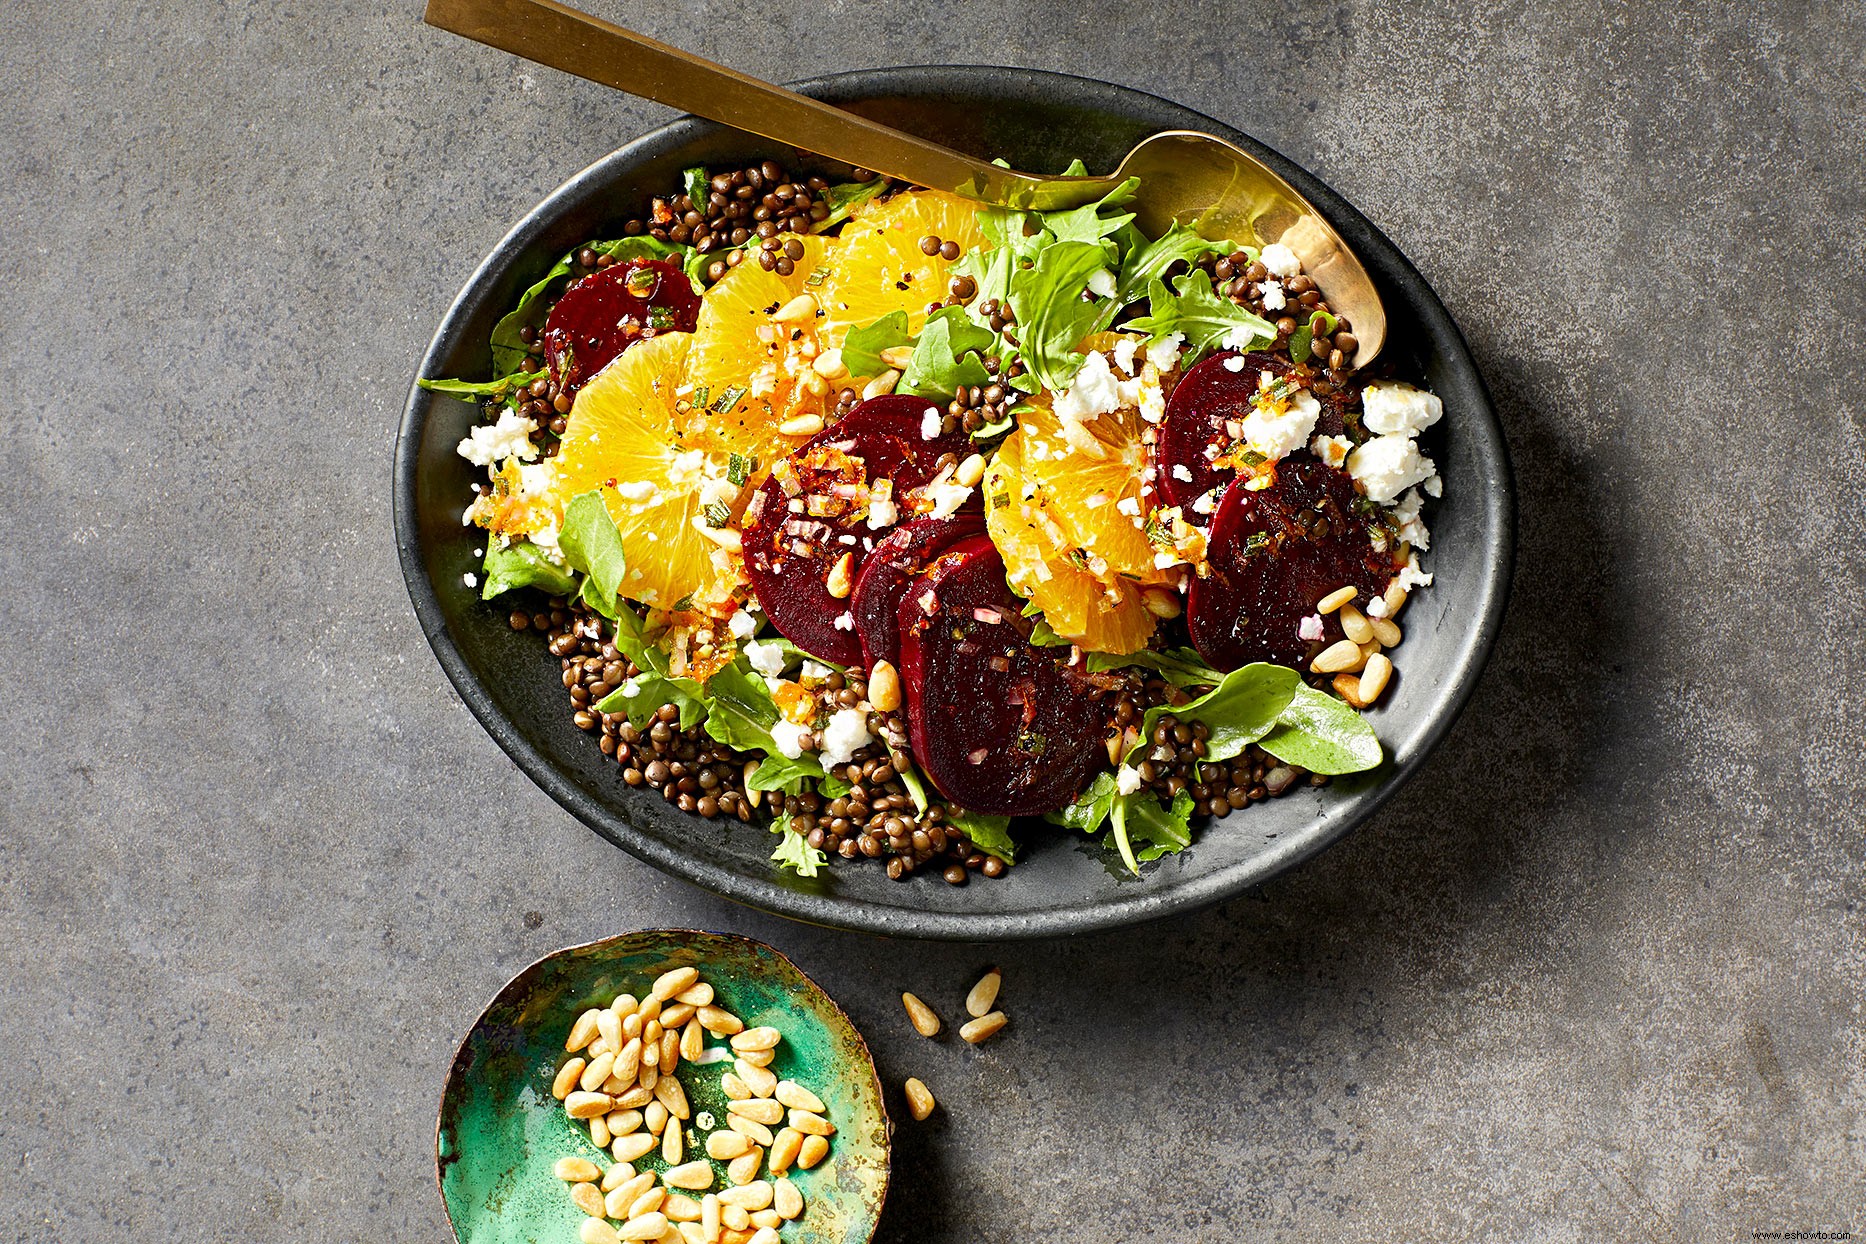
747,373
623,438
877,268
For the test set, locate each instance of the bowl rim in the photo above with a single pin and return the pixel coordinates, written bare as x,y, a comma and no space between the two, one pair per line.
1111,909
456,1064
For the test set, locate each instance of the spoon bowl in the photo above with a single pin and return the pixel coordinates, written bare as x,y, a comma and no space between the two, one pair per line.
501,1131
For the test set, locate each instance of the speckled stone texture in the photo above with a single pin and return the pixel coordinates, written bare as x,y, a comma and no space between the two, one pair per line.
1596,974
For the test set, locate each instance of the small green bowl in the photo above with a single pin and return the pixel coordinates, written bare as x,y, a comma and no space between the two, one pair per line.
501,1131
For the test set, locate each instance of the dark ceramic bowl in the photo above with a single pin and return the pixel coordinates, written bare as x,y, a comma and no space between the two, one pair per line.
1037,121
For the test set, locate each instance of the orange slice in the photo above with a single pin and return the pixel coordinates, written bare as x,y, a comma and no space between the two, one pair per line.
623,438
876,265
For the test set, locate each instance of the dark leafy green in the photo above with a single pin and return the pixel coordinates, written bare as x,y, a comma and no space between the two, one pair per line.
794,850
845,197
591,544
1180,666
523,564
481,388
1323,735
1147,262
1199,313
861,349
1052,316
947,357
990,834
1238,711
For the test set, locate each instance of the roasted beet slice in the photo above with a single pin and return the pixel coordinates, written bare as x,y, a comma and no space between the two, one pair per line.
999,726
1274,554
599,316
890,569
1212,395
814,509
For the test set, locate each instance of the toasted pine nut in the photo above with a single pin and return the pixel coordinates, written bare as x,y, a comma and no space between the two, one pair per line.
598,1071
734,1217
724,537
588,1198
1388,632
670,1052
814,1150
841,580
760,1081
649,1077
677,1015
576,1170
765,1235
1395,598
618,1174
622,1122
694,1176
624,1194
744,1168
751,1129
785,1199
631,1024
599,1131
625,1005
828,364
920,1101
764,1038
734,1088
1348,687
984,1026
1116,746
654,1118
588,1105
680,1208
635,1098
650,1009
692,1040
884,686
1374,676
1342,655
882,384
720,1022
768,1217
1337,598
646,1203
671,1094
1355,626
673,1143
801,425
784,1150
802,307
758,1110
567,1078
749,1197
724,1146
583,1031
610,1025
647,1227
633,1147
601,1045
1161,602
970,471
757,1058
709,1218
753,797
697,994
596,1231
897,356
984,994
797,1097
811,1124
615,1086
925,1022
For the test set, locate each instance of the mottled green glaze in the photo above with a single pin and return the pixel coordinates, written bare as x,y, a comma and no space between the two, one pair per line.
501,1131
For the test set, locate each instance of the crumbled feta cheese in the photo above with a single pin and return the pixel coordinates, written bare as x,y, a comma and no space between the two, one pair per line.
1388,465
742,625
844,621
687,469
1377,607
816,671
1411,528
1165,561
1164,353
1434,487
1152,398
1205,502
546,539
882,512
1129,506
510,437
929,423
1311,628
1235,363
1410,576
767,658
1101,283
1093,392
1280,260
535,478
787,737
1391,407
1182,472
1333,450
1278,434
946,495
470,579
846,734
717,491
1127,781
635,489
1124,351
1240,338
1272,294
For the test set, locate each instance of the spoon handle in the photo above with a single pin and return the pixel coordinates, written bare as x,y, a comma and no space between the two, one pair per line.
560,37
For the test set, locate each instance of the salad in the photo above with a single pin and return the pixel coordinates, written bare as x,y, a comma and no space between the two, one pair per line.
894,523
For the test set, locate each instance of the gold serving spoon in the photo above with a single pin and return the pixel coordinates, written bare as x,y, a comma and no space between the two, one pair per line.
1184,176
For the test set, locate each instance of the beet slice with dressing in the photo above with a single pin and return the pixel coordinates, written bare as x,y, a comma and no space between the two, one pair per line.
609,310
1274,554
999,725
812,510
891,569
1212,395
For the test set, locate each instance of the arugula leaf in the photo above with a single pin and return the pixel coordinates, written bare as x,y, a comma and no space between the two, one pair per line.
1240,710
910,778
990,834
1052,316
523,564
861,349
1148,263
990,268
509,349
1139,817
1198,312
1323,735
740,714
697,185
845,197
1088,223
1181,666
591,544
947,356
481,388
795,851
833,787
1091,807
782,773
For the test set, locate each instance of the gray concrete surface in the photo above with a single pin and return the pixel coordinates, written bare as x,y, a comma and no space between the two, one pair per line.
1596,975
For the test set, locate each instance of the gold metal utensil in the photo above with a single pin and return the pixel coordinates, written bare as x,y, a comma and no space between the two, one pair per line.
1186,176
